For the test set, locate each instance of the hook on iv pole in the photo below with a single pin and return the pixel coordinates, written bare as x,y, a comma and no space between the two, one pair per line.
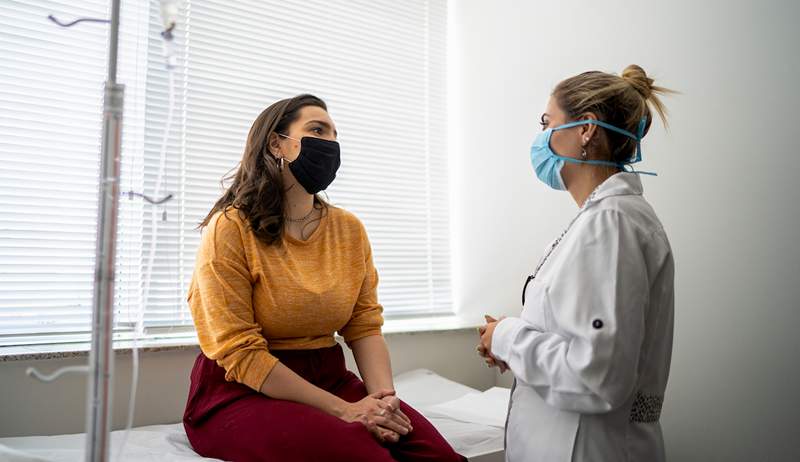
70,24
32,372
149,199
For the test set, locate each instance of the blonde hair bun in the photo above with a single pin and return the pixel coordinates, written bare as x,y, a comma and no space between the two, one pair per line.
622,101
639,80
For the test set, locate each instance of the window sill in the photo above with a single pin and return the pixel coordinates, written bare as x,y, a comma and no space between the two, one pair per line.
437,323
78,350
411,325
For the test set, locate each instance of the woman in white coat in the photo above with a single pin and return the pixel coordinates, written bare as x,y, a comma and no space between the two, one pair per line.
590,352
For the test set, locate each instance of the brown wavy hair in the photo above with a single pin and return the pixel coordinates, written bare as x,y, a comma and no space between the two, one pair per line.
257,188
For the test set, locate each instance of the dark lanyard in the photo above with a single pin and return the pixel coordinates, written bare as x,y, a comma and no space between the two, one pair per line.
552,248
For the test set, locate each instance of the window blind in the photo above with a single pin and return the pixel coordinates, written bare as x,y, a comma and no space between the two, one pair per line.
51,82
379,65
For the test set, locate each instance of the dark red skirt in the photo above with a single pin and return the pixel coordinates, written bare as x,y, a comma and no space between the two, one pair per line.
230,421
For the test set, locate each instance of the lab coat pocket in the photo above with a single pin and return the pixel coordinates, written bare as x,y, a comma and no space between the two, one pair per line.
545,320
549,319
534,311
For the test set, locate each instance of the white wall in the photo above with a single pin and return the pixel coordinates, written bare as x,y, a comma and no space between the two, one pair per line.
28,407
726,190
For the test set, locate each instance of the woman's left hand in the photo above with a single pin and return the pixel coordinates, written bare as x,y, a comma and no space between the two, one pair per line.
485,346
396,414
388,431
394,403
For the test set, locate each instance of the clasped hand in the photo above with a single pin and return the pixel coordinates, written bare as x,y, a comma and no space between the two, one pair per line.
380,413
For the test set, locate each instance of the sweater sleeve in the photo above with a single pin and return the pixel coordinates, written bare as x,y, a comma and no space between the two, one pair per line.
220,299
367,317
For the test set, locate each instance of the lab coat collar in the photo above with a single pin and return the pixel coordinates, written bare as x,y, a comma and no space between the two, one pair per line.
619,184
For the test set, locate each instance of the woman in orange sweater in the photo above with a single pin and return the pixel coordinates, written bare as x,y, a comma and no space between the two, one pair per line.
278,272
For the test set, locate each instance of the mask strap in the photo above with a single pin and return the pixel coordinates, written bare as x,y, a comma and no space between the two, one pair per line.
601,124
625,167
590,162
287,136
629,168
596,122
637,137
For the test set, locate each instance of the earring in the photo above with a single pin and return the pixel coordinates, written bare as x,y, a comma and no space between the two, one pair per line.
281,164
583,154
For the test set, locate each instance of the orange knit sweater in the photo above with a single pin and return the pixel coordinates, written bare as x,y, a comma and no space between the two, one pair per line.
247,297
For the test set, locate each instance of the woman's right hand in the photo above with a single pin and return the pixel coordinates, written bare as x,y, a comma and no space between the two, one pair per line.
385,424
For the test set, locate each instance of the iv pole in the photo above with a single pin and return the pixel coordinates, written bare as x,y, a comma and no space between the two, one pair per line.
101,357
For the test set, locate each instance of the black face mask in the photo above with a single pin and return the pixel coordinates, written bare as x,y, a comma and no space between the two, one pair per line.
316,166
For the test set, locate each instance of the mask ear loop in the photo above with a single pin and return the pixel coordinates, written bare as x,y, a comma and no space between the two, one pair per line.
282,160
639,136
625,166
270,157
629,168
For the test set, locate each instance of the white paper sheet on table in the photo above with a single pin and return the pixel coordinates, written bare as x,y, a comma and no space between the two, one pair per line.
422,387
469,436
487,408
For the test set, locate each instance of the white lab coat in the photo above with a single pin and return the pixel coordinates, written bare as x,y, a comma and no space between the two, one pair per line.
591,350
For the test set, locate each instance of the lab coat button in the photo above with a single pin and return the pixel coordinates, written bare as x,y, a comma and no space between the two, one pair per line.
597,324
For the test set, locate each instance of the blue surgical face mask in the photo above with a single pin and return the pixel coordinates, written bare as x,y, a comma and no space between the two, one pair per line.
548,164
